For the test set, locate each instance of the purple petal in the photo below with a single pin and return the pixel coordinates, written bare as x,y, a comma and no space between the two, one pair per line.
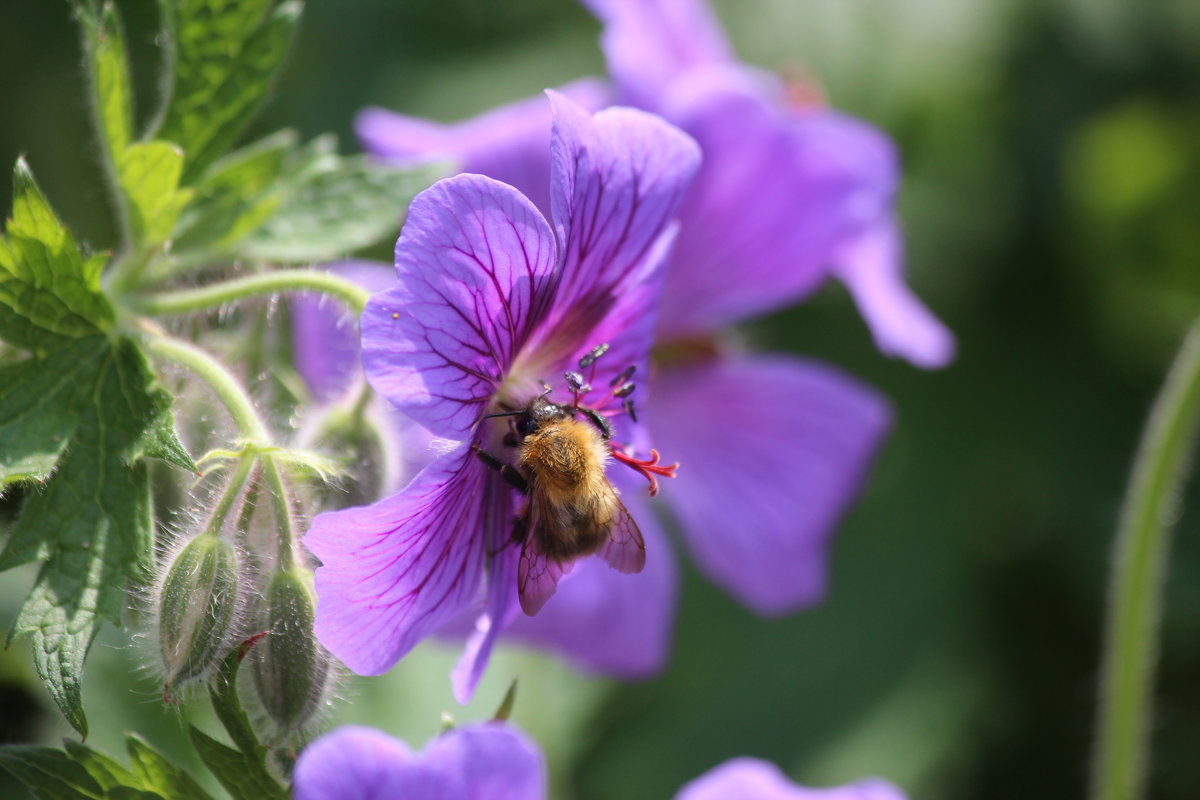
474,261
778,192
617,178
501,593
650,43
355,763
603,621
393,571
509,143
752,779
772,451
325,336
493,761
872,267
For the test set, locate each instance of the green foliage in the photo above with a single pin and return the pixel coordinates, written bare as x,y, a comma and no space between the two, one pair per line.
226,52
92,523
242,771
48,292
276,202
149,175
110,75
341,208
78,772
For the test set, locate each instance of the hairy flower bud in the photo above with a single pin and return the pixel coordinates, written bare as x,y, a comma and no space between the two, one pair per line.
291,669
198,602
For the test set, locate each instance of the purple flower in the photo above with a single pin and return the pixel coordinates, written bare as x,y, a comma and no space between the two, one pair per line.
752,779
491,302
785,199
492,761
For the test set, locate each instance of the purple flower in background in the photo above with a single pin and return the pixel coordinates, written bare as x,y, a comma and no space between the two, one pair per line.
492,761
788,195
752,779
490,303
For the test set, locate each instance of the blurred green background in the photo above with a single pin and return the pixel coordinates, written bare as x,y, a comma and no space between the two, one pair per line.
1052,202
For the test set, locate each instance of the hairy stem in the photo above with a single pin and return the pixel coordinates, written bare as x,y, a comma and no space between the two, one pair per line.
224,385
1138,575
267,283
285,522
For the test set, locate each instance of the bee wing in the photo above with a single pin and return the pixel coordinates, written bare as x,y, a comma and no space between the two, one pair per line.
537,573
625,550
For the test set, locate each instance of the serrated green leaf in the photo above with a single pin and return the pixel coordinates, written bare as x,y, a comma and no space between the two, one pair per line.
343,209
48,293
227,52
149,173
104,770
241,775
161,439
39,407
49,773
91,524
155,771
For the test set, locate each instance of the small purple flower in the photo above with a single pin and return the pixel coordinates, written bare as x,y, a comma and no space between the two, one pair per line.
492,761
490,304
752,779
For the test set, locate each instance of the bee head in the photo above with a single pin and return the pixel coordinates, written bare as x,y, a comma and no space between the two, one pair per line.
539,412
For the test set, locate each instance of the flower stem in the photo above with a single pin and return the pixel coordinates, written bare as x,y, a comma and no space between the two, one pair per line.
285,524
1138,573
226,502
267,283
226,387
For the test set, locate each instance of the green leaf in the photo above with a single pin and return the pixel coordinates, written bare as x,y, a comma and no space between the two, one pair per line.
105,771
50,774
39,407
243,772
226,53
48,293
238,194
352,205
91,523
161,439
149,175
113,93
241,775
156,772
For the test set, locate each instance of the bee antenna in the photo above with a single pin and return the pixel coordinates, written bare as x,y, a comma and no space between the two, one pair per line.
503,414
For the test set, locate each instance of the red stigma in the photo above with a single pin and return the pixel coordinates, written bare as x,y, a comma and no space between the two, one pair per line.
649,467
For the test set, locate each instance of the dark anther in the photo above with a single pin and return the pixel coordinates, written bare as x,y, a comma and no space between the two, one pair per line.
625,375
599,421
590,357
574,382
624,391
630,410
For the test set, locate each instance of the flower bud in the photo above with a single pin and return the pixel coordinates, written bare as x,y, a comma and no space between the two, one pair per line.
354,440
198,603
291,669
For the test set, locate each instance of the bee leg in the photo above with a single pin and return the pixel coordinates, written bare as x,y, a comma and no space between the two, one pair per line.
602,424
511,440
519,530
515,479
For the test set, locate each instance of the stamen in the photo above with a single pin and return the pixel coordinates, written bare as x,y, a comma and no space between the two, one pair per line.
624,390
648,467
624,377
590,357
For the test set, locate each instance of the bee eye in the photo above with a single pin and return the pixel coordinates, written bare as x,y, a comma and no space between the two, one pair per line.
526,426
